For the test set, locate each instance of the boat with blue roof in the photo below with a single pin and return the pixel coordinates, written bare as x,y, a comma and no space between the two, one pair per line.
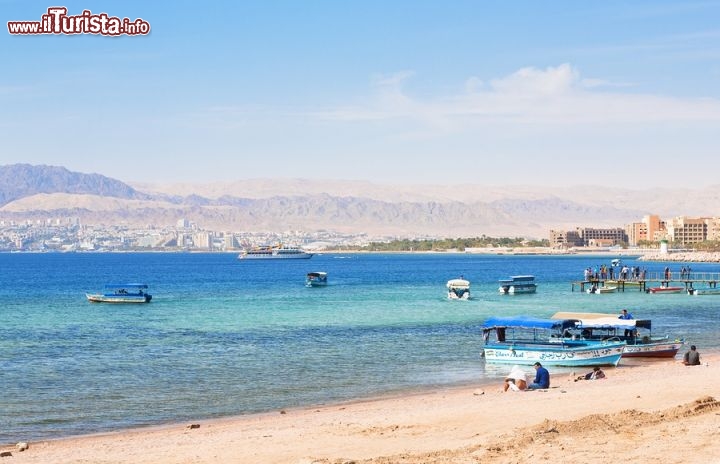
518,284
527,340
121,293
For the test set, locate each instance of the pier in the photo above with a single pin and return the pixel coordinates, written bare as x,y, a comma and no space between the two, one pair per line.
689,279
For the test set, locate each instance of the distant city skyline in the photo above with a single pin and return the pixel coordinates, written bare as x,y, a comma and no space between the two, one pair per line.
556,93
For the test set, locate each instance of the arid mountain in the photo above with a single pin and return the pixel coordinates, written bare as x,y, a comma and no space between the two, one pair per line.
21,180
34,192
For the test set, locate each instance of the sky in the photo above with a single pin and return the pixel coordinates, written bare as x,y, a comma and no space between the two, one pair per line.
549,93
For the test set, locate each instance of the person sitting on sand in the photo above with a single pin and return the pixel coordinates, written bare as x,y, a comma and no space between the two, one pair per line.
516,380
692,357
542,378
595,374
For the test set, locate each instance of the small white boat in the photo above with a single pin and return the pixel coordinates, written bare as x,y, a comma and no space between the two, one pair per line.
526,340
516,285
458,289
121,293
316,279
703,291
603,289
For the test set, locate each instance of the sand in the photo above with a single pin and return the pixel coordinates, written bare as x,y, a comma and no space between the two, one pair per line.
644,411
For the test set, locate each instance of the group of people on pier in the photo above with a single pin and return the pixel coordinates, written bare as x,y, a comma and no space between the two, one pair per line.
624,272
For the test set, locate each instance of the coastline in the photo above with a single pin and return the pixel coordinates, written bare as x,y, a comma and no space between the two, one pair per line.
597,421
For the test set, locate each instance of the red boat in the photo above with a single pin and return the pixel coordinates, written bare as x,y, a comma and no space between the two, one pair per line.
666,289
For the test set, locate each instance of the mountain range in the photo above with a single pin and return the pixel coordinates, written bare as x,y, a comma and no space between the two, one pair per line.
267,205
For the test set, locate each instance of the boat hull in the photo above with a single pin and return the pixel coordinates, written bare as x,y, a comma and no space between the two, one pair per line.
554,354
453,295
302,255
704,291
658,290
95,298
517,290
652,350
603,290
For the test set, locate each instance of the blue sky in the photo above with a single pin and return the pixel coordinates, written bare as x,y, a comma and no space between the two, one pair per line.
611,93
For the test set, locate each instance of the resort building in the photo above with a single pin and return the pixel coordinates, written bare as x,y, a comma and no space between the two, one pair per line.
587,236
650,229
687,230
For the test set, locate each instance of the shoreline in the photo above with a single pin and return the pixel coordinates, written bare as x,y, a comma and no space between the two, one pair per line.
462,423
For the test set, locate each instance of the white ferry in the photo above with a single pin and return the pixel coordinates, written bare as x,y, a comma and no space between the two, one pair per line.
274,252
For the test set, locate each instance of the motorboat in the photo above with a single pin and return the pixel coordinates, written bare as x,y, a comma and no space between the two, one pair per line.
316,279
602,289
121,293
274,252
637,333
666,289
703,291
526,340
516,285
458,289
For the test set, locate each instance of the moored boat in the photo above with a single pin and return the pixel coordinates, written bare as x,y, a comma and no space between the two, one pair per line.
274,252
516,285
666,289
603,289
704,291
599,326
458,289
316,279
121,293
526,340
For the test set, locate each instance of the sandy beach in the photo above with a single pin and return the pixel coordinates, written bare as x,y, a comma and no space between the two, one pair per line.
643,410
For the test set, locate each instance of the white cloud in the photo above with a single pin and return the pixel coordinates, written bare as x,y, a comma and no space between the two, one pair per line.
554,95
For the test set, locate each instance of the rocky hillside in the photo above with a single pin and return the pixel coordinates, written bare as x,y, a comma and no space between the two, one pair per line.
23,180
38,192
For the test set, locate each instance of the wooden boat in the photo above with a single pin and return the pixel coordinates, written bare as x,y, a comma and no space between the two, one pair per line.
458,289
600,326
665,289
626,283
516,285
526,340
316,279
121,293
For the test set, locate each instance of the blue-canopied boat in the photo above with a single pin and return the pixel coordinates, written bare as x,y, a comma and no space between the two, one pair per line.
517,285
121,293
316,279
526,340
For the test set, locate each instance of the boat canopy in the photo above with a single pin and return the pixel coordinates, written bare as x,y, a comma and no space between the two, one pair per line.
458,283
613,323
603,321
317,274
135,286
526,322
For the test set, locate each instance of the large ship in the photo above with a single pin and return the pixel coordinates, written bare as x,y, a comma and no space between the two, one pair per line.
274,252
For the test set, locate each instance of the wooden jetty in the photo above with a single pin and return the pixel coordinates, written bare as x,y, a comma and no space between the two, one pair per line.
689,279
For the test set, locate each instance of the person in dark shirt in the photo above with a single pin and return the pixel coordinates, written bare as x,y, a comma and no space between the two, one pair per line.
692,357
542,377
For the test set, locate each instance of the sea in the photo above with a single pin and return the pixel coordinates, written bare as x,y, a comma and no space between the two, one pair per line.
227,337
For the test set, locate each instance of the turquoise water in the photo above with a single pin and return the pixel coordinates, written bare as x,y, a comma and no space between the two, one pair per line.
226,337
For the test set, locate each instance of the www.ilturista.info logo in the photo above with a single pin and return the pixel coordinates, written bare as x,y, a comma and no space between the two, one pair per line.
57,21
